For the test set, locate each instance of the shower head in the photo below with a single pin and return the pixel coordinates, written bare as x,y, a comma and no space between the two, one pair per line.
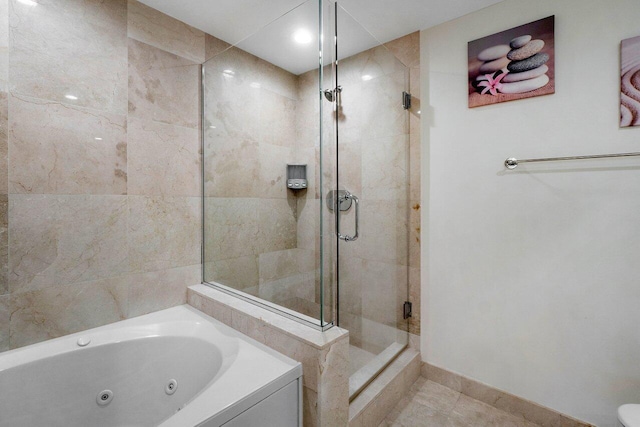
328,94
331,94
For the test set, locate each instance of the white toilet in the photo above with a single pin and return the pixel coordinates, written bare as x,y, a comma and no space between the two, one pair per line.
629,416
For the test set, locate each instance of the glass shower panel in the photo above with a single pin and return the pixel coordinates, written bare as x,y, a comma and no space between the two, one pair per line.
262,113
328,155
373,159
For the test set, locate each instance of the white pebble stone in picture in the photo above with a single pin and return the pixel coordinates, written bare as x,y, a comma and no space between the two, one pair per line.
525,85
518,42
493,66
527,75
494,52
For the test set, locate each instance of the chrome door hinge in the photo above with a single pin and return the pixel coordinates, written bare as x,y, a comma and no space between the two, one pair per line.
406,100
406,310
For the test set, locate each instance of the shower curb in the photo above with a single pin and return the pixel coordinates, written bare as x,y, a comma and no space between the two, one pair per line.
376,401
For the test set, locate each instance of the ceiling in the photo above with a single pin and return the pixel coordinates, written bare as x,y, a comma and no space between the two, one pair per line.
265,28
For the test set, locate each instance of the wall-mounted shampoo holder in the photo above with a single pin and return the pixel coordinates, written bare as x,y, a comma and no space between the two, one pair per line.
297,177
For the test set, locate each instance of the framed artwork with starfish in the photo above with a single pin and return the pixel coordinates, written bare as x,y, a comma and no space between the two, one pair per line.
513,64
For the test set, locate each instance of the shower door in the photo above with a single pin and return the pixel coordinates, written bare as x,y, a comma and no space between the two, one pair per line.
267,159
372,138
327,104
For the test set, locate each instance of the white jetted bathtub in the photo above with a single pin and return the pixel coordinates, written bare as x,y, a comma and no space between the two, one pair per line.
173,368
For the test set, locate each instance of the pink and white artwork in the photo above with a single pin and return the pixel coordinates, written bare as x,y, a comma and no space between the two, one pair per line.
513,64
630,83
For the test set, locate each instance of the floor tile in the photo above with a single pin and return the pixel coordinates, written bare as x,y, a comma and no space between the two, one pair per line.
437,396
429,404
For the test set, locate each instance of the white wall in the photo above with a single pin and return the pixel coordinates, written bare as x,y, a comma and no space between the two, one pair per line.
531,278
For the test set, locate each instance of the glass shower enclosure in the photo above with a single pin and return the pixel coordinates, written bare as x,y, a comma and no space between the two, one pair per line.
305,178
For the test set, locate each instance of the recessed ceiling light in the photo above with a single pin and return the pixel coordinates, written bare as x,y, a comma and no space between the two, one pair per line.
212,127
229,73
302,36
97,138
28,2
366,77
72,97
255,85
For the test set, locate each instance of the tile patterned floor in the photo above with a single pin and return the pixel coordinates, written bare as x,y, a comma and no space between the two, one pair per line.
432,405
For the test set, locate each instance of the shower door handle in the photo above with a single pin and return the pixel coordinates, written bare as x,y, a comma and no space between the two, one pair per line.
355,200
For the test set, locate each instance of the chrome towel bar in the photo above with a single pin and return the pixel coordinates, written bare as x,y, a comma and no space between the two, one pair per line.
512,163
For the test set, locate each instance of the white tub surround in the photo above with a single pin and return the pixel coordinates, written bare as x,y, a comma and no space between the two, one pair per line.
324,355
176,367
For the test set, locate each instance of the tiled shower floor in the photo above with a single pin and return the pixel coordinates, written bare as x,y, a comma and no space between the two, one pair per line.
432,405
358,358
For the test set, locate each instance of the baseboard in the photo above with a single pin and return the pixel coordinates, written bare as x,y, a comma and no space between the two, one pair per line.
499,399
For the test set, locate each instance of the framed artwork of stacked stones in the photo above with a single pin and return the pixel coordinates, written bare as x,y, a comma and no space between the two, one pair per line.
630,83
514,64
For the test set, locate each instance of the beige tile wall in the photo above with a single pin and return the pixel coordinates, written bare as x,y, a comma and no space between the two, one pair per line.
99,207
99,195
274,116
277,123
252,219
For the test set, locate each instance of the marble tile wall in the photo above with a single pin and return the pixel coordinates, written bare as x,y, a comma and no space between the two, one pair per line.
117,197
309,202
100,165
252,220
154,28
258,115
